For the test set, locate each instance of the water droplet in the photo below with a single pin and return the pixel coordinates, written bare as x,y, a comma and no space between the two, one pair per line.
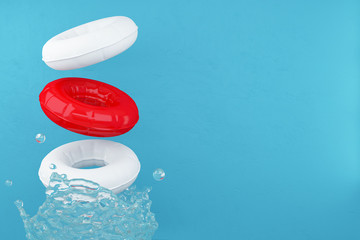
159,174
52,166
8,183
104,202
86,218
40,138
19,203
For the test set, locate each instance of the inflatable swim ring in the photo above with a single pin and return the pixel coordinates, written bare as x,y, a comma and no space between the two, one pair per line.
118,166
90,43
89,107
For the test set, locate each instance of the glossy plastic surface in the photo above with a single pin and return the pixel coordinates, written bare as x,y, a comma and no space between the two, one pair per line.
118,165
89,107
90,43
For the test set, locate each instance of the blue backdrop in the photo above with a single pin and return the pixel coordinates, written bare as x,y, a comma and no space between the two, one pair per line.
251,107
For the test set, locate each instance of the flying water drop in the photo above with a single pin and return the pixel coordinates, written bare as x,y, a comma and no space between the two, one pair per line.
40,138
159,174
8,183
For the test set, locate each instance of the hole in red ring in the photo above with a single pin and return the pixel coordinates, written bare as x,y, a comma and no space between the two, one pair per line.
90,101
90,94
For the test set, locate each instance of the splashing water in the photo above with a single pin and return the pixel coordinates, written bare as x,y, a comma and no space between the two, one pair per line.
81,209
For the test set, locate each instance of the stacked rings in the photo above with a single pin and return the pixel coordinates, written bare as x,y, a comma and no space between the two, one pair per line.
90,107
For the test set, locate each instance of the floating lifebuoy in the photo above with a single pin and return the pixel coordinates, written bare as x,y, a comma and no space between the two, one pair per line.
118,166
90,43
89,107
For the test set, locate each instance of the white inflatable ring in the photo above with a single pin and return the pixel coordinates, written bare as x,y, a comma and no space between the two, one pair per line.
90,43
118,164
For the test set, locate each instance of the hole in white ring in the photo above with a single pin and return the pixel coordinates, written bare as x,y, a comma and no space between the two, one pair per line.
89,164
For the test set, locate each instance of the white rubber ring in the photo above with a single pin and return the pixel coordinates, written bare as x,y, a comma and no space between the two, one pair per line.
118,164
90,43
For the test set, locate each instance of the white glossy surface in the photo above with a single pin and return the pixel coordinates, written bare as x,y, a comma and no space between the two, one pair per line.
90,43
119,166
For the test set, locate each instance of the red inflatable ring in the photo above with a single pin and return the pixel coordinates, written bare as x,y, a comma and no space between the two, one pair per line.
89,107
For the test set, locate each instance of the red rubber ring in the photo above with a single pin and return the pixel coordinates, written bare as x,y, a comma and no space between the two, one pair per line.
89,107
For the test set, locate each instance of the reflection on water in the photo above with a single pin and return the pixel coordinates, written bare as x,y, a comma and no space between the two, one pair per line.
81,209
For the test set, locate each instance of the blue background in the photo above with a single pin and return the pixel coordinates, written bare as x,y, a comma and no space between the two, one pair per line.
251,107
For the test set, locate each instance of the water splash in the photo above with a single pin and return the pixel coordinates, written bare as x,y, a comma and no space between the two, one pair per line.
81,209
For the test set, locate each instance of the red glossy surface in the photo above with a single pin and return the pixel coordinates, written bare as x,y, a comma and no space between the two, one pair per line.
89,107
